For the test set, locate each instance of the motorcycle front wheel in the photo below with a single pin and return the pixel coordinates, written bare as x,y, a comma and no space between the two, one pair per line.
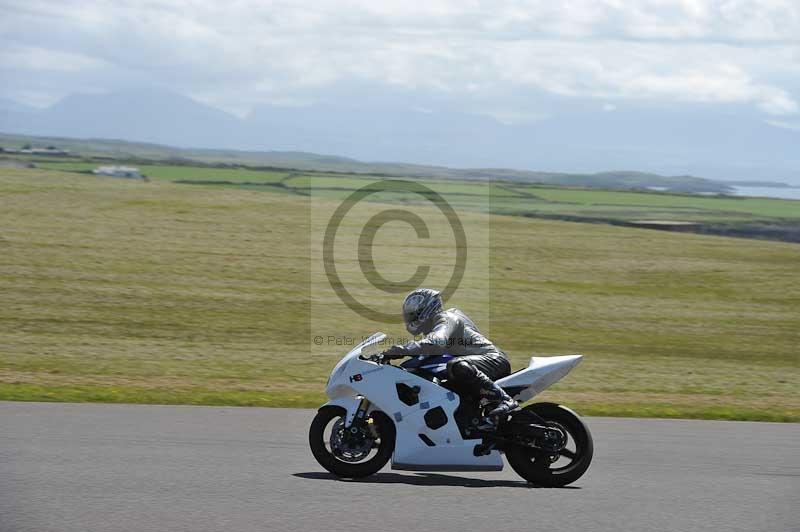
351,453
561,468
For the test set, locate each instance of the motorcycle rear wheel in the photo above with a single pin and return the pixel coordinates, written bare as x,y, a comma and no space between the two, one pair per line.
543,469
319,435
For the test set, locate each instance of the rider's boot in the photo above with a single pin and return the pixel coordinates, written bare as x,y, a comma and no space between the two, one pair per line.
504,403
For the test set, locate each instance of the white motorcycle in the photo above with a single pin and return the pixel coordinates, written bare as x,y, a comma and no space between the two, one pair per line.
409,413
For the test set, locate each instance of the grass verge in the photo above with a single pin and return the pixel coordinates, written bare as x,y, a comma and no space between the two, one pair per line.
121,291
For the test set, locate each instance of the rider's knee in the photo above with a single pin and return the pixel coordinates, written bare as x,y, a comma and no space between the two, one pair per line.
458,369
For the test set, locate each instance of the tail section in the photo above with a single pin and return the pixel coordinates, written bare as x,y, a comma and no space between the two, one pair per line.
540,374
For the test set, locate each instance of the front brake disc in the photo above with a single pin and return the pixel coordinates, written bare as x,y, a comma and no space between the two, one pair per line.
343,446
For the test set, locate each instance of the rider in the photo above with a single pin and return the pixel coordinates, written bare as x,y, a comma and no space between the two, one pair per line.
477,361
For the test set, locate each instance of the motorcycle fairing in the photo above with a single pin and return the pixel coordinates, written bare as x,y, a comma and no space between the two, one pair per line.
431,417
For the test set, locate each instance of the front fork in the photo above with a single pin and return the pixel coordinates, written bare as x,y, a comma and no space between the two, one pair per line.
359,421
360,417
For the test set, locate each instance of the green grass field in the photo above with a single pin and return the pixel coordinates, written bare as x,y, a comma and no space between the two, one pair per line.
123,291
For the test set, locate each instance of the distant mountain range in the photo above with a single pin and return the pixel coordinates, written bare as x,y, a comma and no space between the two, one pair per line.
142,153
575,140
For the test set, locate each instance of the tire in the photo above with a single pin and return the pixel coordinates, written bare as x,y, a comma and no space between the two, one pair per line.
537,467
317,439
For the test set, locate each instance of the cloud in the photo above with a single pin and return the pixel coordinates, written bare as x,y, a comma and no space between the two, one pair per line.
35,58
785,125
241,53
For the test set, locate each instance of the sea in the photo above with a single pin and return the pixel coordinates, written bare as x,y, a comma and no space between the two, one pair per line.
768,192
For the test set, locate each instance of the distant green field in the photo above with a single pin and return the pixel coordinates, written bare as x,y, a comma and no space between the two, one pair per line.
320,183
498,197
775,208
124,291
176,173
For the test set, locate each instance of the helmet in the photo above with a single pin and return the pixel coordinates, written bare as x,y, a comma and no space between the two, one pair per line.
419,307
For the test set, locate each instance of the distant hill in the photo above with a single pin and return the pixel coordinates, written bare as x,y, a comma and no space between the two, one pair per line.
724,142
154,116
125,150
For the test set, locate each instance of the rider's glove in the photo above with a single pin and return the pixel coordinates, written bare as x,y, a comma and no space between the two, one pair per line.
399,351
396,351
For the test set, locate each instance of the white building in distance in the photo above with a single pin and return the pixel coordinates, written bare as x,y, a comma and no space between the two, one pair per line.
126,172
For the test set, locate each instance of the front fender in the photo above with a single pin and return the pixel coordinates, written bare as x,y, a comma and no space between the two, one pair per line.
350,404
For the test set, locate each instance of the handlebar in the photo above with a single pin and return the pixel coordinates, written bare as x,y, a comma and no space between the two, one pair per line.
380,358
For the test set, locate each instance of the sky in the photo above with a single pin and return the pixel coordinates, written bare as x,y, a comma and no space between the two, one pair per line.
500,59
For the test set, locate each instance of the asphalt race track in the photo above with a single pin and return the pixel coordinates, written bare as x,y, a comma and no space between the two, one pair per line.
85,468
